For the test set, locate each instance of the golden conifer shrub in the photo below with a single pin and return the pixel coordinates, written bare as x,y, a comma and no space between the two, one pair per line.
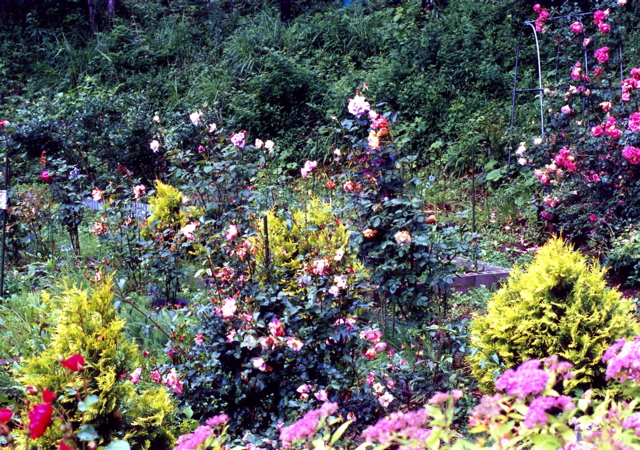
85,322
558,305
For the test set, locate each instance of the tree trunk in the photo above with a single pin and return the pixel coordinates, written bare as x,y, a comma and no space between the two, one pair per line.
92,15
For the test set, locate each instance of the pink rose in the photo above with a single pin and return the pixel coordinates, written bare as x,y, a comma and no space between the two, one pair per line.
358,106
576,71
576,27
634,122
604,28
631,154
237,139
602,55
537,8
597,131
566,109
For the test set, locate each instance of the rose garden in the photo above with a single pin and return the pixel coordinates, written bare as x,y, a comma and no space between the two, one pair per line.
242,225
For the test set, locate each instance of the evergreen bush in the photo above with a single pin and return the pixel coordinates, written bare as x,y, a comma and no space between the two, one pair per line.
86,323
560,305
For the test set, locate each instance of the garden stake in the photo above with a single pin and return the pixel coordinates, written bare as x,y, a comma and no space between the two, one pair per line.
267,255
473,202
4,212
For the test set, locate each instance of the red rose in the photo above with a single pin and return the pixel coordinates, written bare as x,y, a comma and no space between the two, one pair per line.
48,396
39,419
44,176
5,415
74,363
63,446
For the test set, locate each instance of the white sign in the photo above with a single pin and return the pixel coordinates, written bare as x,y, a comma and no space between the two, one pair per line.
3,199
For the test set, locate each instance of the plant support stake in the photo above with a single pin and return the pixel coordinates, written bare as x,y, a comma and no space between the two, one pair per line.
3,207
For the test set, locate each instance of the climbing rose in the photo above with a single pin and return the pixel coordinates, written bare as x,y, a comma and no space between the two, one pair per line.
39,419
576,71
634,122
74,363
602,55
566,109
174,382
604,28
597,131
600,16
154,146
576,27
96,194
631,154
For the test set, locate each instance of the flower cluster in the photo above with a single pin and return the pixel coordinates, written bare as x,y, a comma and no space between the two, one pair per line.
400,425
543,15
623,360
305,428
201,434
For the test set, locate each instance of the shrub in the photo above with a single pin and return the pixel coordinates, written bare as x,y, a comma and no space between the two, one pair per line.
559,305
86,323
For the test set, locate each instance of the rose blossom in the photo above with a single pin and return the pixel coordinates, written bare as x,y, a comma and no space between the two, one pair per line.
237,139
602,55
576,27
604,28
566,109
358,106
634,122
597,131
631,154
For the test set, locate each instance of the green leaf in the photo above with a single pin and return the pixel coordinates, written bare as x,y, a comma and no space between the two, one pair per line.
494,174
87,433
340,431
545,442
188,412
118,445
90,400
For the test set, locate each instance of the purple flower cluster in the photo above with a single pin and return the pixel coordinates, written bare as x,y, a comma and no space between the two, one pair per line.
538,408
194,440
632,422
489,406
623,360
305,428
527,379
409,426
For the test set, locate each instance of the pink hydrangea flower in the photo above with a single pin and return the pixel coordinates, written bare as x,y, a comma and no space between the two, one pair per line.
537,414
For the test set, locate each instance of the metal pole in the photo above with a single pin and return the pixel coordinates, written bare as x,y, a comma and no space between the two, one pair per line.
4,212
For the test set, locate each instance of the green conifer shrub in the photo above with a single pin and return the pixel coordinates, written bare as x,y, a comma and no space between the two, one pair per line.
559,305
85,322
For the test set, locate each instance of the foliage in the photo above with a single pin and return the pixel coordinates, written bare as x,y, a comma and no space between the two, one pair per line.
559,304
86,323
273,338
584,158
530,414
624,257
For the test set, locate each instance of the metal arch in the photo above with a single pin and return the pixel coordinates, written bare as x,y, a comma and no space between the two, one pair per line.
540,89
